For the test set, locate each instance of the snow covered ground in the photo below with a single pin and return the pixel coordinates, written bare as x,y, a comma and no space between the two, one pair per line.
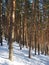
20,57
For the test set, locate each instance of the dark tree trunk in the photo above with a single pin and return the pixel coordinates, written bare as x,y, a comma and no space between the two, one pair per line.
0,23
20,32
1,35
35,42
29,52
38,49
42,50
23,33
45,49
30,48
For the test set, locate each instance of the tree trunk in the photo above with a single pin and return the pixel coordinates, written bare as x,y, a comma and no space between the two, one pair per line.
0,24
30,48
10,32
11,50
35,42
38,49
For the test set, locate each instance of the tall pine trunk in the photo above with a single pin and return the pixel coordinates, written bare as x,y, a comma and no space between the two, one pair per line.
0,24
10,32
35,42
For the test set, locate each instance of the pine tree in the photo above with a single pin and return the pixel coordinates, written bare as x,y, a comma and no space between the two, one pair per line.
0,23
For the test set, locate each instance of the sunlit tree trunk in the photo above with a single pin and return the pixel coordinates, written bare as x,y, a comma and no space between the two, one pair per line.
10,30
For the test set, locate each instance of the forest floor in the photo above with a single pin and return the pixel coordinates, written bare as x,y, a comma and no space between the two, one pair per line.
20,57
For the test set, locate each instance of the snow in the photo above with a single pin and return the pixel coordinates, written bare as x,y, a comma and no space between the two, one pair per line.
20,57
